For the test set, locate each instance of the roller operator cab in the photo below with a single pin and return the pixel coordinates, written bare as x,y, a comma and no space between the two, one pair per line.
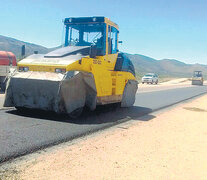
87,71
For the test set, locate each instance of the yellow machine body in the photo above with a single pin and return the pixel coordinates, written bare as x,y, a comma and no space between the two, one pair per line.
110,84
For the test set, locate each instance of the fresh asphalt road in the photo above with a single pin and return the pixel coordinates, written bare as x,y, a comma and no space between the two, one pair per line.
1,100
22,133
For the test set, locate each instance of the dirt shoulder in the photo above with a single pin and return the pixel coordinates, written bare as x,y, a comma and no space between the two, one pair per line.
171,84
168,145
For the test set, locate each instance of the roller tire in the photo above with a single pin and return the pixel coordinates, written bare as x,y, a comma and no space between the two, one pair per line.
3,86
76,113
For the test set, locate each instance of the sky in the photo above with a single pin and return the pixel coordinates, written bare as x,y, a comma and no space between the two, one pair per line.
173,29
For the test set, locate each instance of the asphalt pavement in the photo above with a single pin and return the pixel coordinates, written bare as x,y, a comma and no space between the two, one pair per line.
28,131
1,100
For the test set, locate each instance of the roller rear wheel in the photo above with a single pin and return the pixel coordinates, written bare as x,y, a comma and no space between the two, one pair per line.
3,86
76,113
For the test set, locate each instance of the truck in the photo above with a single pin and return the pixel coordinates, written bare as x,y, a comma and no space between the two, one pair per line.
7,64
150,78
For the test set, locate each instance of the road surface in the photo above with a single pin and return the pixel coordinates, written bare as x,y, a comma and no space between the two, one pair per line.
22,133
1,100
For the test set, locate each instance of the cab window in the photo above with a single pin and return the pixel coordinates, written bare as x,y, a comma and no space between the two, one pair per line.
86,35
112,40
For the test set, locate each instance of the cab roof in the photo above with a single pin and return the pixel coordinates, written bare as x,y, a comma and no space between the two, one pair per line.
94,19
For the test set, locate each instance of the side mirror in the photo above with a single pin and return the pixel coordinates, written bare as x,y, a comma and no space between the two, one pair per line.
120,42
93,52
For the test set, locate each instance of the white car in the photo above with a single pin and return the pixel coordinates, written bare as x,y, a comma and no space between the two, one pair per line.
150,78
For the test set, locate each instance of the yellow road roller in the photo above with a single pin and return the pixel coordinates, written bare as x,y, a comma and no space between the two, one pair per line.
87,71
197,78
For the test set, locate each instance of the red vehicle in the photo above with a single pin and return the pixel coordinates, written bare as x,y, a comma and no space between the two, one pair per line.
7,63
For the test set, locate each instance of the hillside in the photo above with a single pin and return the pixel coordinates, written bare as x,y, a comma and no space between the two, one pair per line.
143,64
14,45
165,67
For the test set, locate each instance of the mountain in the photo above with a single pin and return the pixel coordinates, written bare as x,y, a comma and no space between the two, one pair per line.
143,64
164,67
14,45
